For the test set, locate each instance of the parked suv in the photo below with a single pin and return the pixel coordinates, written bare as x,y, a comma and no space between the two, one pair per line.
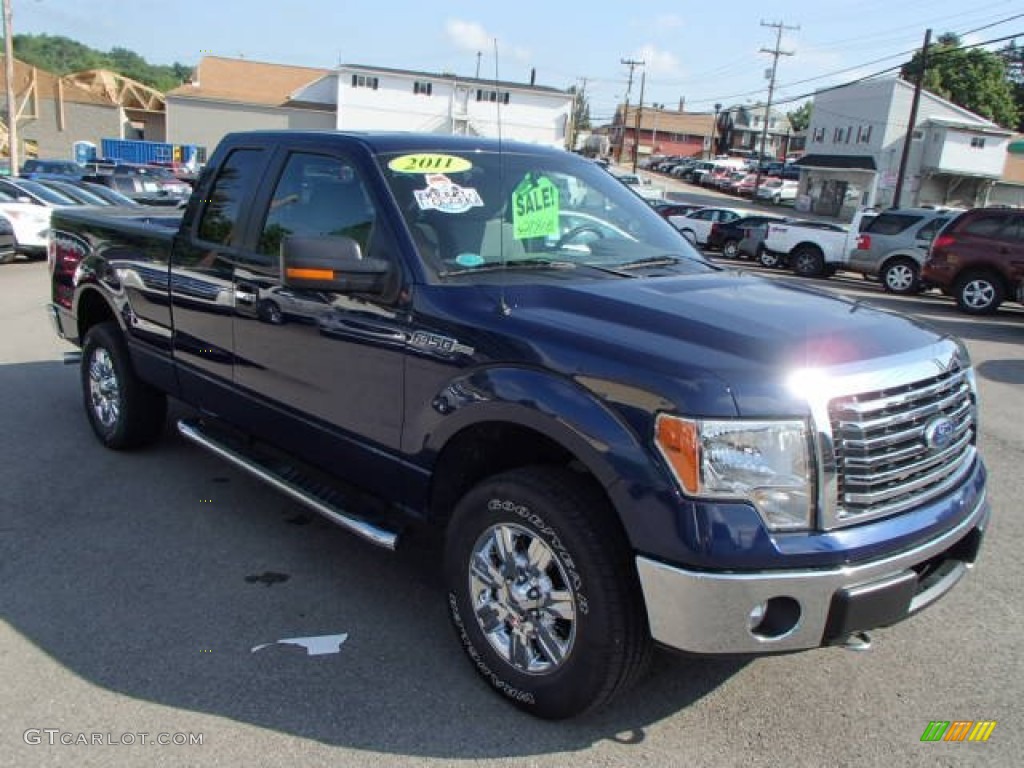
978,259
893,246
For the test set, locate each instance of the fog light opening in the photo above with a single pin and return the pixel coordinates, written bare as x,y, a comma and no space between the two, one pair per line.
774,618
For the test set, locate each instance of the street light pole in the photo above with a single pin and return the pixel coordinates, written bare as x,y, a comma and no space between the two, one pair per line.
12,108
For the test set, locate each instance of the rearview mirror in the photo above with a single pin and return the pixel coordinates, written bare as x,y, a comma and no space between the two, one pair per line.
330,263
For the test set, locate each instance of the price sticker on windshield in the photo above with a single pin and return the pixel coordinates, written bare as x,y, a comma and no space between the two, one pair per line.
535,209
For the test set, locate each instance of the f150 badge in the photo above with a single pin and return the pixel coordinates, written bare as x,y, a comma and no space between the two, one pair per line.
444,345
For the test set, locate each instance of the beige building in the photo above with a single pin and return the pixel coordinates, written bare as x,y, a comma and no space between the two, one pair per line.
227,95
54,112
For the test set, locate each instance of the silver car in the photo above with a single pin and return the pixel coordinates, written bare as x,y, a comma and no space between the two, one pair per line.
895,244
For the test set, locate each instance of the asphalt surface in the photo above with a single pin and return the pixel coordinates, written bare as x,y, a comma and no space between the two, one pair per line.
133,588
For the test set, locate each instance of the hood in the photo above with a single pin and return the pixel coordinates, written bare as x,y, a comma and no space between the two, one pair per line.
746,333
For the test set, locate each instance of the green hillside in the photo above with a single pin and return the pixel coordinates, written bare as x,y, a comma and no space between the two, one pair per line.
62,56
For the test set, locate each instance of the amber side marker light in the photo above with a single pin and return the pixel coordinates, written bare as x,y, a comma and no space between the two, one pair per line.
310,274
678,442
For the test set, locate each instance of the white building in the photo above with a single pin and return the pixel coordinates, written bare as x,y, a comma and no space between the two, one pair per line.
855,142
228,95
379,99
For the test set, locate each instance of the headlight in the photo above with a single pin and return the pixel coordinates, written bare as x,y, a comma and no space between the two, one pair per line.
767,463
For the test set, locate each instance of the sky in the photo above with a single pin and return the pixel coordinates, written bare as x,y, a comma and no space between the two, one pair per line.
697,51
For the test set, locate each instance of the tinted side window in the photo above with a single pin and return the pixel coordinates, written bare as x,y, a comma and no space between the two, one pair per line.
220,217
986,225
318,195
892,223
931,229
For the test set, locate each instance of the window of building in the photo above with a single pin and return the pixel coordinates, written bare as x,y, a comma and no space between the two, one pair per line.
236,177
977,142
837,135
865,137
493,96
819,135
423,88
365,81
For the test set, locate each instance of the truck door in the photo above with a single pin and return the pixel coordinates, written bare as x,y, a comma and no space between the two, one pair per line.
335,359
201,287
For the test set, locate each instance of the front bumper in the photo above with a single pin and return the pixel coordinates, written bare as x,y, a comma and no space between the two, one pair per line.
706,612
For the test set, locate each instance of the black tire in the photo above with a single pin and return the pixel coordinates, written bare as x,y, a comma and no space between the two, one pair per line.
123,410
901,276
731,249
9,257
808,261
979,293
768,259
606,643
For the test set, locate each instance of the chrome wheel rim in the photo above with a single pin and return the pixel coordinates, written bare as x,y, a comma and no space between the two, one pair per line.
104,388
900,277
522,599
767,260
978,294
730,250
806,264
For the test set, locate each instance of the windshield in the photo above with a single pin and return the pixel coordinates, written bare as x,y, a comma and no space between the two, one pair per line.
45,193
467,212
111,195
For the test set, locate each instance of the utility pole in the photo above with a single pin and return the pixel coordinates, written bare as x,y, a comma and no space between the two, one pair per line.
639,114
12,108
778,26
909,138
578,99
632,64
478,55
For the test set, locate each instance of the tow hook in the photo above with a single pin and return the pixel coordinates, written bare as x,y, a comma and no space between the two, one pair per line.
857,641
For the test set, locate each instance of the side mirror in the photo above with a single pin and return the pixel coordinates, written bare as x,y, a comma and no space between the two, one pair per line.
330,263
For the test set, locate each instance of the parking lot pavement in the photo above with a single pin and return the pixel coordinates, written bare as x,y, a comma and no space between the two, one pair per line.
136,586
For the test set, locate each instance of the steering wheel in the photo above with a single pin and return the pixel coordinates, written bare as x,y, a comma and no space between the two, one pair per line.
575,232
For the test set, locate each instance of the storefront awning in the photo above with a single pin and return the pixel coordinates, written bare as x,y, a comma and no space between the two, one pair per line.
838,162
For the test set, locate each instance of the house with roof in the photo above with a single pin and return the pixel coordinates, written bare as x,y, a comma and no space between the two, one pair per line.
54,112
855,143
661,132
226,95
741,127
234,94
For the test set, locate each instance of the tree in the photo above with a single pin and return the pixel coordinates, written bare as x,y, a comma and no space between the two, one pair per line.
581,110
62,56
800,117
974,79
1014,58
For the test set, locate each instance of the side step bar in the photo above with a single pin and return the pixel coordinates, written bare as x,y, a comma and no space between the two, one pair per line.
193,430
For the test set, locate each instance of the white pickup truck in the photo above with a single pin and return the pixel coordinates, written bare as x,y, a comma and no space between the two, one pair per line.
813,248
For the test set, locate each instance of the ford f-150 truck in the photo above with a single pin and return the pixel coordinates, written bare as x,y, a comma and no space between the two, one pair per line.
813,248
503,341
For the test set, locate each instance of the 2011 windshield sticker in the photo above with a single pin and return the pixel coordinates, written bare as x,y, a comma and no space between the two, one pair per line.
442,194
535,209
429,163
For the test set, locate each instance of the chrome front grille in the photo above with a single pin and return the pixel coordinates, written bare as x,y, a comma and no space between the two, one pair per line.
899,447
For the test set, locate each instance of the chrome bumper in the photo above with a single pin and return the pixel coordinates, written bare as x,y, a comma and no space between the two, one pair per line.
711,613
54,314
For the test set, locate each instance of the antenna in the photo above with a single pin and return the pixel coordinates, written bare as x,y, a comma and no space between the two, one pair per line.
503,306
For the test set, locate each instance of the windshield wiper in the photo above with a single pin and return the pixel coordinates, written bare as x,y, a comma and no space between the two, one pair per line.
651,261
516,264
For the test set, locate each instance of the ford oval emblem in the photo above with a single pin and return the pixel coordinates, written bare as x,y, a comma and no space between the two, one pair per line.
939,433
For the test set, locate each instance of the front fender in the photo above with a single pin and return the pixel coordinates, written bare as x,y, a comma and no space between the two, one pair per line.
609,441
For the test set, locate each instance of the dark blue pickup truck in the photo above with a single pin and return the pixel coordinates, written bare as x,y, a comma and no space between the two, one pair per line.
621,443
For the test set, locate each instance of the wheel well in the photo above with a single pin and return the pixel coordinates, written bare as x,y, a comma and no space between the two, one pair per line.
995,274
809,247
486,449
92,309
892,259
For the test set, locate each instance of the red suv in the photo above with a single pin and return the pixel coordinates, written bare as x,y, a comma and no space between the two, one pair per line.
978,259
